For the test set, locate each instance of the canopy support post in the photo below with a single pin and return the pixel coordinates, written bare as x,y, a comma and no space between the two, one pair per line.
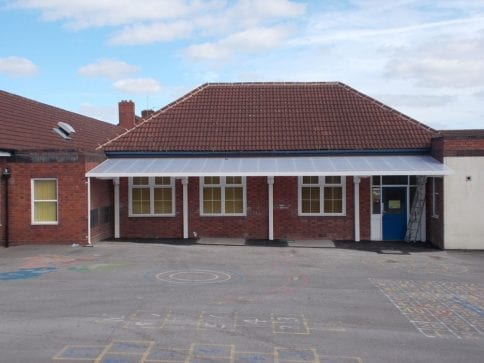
356,182
185,207
116,208
89,243
270,183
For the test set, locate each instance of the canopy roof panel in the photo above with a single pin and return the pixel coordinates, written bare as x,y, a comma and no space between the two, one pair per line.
271,166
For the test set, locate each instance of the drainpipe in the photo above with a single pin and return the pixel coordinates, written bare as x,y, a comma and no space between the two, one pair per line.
6,175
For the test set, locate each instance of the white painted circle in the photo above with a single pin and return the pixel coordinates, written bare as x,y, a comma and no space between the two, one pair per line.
193,277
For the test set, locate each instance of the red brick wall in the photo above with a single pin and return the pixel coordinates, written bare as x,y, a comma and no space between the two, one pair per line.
102,195
72,226
3,220
150,227
287,223
72,204
254,225
457,146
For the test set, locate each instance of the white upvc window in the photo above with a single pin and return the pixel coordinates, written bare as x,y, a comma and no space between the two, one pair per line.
44,201
223,196
151,197
322,196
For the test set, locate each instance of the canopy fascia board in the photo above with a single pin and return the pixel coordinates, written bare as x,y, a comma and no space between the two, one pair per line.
271,166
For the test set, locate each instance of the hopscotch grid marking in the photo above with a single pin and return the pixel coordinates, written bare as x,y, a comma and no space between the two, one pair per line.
103,353
275,324
455,312
357,359
147,352
297,350
437,298
150,347
58,356
169,360
165,320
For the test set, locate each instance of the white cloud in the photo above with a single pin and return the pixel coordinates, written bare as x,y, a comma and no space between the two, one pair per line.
156,32
108,114
248,41
448,61
17,66
137,85
149,21
108,68
81,14
414,100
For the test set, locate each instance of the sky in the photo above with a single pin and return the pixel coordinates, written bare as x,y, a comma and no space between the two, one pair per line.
424,58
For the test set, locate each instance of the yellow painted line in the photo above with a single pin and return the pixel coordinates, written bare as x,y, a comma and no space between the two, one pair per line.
231,346
356,359
190,353
58,356
298,350
103,353
200,319
236,317
146,343
147,352
168,360
306,325
316,356
166,319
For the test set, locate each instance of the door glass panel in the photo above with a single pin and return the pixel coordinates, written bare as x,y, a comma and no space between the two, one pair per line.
376,200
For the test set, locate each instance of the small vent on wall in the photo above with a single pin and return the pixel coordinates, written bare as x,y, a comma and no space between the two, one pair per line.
64,129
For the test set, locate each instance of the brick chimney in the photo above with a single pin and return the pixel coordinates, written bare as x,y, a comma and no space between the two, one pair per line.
127,117
146,114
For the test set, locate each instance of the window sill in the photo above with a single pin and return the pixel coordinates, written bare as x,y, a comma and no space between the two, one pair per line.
152,215
224,215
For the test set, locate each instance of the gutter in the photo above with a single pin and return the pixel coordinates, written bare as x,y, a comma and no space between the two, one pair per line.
228,154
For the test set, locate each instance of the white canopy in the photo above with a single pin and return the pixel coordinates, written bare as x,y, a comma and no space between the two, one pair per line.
271,166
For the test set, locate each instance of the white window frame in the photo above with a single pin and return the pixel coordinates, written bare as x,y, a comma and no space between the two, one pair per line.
152,186
32,201
222,186
435,195
321,184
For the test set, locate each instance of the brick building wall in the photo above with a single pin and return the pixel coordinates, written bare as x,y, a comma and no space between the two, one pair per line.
72,203
102,209
3,219
452,144
287,223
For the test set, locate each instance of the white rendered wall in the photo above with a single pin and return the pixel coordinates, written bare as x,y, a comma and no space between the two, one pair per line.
464,203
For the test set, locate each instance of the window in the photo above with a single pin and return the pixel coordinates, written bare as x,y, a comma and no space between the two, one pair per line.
151,196
222,196
322,195
435,198
44,201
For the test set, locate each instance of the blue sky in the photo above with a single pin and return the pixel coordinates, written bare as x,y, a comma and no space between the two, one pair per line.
424,58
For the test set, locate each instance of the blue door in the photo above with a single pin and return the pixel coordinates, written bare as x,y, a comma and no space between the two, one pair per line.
394,213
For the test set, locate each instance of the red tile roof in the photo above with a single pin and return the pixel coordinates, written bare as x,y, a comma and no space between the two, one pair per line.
27,125
274,117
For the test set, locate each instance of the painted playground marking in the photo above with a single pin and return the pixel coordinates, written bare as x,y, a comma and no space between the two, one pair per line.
147,351
438,308
288,323
25,273
194,277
